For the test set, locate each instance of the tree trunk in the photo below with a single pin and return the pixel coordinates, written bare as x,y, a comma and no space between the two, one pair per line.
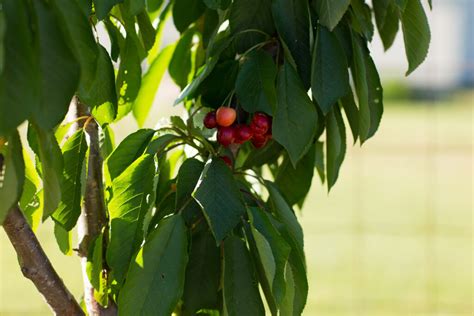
93,215
36,266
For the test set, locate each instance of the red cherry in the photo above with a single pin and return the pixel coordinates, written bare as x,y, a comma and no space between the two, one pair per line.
243,133
210,120
227,161
226,135
259,140
225,116
260,123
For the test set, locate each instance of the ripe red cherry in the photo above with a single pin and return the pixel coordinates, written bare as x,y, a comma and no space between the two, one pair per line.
259,140
260,123
226,135
210,120
243,133
227,160
225,116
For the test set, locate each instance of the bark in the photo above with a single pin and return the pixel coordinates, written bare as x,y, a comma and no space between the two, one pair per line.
93,217
36,266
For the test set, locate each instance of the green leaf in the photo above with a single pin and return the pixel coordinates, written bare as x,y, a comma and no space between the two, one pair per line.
162,22
19,81
188,176
217,4
150,83
375,95
293,234
94,261
273,251
361,18
401,4
259,157
286,215
94,270
147,31
59,69
133,7
352,113
51,158
101,95
129,150
218,45
156,278
74,152
181,63
386,17
288,300
128,77
30,203
319,160
12,175
416,34
186,12
329,75
255,85
106,141
209,23
368,88
294,123
202,274
77,29
248,19
127,208
219,196
158,144
103,7
116,38
63,239
262,271
330,12
219,84
154,5
293,24
335,145
3,28
240,286
296,182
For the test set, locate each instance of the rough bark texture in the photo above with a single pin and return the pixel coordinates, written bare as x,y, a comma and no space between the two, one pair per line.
36,266
93,215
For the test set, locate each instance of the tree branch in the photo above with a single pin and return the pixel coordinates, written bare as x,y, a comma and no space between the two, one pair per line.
93,215
36,266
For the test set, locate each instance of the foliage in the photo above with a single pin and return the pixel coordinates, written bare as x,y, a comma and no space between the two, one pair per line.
188,231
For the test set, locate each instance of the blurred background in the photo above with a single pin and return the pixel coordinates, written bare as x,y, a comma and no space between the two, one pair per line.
394,236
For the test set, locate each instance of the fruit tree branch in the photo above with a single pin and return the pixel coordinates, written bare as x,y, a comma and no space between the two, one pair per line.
93,215
36,266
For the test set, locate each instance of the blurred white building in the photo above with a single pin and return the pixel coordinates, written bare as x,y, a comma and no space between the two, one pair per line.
450,62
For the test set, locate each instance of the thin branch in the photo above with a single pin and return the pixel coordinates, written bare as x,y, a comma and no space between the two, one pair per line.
36,266
93,217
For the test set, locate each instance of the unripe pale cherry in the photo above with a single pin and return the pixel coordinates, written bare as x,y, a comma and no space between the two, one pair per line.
225,116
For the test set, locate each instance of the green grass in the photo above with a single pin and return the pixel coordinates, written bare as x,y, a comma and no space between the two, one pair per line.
394,237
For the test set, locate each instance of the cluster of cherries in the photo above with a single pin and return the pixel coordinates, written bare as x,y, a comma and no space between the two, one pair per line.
259,131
